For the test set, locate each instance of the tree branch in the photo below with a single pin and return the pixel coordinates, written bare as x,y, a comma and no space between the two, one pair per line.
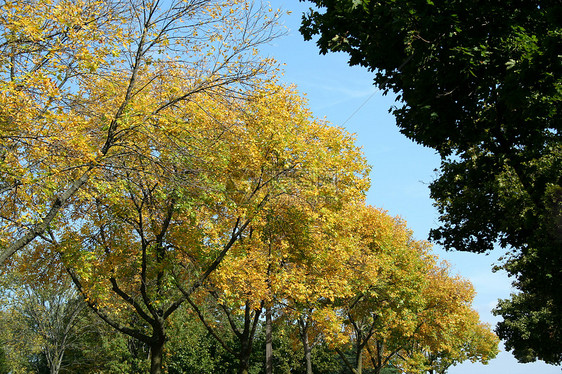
208,327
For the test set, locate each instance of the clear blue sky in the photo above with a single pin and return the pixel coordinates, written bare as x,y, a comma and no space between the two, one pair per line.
401,168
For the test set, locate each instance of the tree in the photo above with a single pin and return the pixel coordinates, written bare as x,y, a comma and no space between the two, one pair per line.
291,248
309,250
480,82
41,321
405,310
93,118
342,267
389,279
153,225
192,349
70,72
448,331
47,328
50,49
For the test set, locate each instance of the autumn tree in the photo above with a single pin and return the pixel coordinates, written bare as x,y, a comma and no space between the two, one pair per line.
162,217
317,280
404,307
95,102
438,330
448,331
480,83
388,270
49,50
475,342
70,73
289,236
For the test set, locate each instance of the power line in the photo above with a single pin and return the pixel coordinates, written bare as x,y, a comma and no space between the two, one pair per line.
373,94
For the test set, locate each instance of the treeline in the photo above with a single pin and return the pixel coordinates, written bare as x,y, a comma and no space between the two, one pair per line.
396,324
95,348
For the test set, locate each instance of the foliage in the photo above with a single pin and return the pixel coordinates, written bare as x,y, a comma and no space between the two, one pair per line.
149,154
192,349
526,325
46,327
41,323
285,239
50,50
405,311
448,330
480,82
72,78
402,302
98,102
144,226
4,366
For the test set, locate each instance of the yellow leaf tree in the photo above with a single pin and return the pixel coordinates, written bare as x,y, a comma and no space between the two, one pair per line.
73,75
156,220
293,234
405,309
448,330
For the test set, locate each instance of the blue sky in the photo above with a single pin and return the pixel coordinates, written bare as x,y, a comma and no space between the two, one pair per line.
401,169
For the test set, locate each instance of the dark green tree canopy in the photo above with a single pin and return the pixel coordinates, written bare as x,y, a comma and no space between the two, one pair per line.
481,83
459,66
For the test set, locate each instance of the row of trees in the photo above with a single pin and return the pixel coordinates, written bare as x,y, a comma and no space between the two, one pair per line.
362,296
149,158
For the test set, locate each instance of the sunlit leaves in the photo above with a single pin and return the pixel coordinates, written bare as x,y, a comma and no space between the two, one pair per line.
403,308
70,70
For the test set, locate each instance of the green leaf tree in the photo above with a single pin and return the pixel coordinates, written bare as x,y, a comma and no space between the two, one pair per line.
481,83
41,323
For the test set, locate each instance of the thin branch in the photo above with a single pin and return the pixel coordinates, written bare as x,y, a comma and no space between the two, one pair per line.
40,227
208,327
124,329
346,361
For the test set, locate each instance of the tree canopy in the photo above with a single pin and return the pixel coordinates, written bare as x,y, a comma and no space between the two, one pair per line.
69,71
481,83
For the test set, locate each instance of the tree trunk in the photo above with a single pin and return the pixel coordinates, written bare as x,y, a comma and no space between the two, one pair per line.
156,351
268,342
245,352
244,358
308,356
306,346
54,359
377,356
359,358
56,367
